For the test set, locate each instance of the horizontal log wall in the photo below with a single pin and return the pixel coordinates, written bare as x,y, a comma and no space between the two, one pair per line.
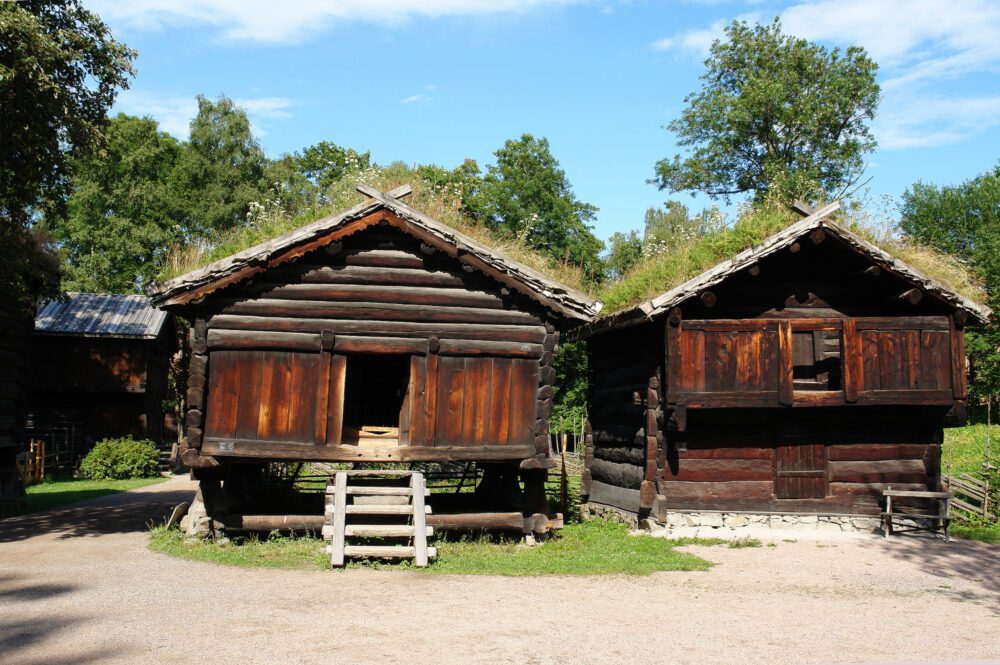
624,419
729,460
481,373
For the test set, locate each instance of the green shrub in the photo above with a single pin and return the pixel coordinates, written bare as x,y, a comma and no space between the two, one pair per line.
118,459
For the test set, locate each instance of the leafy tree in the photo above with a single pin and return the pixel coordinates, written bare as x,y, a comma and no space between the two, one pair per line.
123,214
965,221
60,70
671,225
570,399
527,195
327,162
625,252
223,171
775,114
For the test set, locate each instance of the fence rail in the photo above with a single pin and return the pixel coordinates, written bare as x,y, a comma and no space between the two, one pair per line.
971,496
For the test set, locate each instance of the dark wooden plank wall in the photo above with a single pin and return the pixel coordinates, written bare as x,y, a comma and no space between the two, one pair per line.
750,362
78,363
732,443
733,460
624,433
16,323
481,356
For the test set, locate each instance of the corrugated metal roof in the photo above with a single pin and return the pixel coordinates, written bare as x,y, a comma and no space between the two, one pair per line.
100,315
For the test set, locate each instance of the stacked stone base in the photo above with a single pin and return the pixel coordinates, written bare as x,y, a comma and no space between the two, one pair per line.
721,520
726,521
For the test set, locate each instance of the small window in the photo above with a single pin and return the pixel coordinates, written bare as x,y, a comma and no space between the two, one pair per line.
816,360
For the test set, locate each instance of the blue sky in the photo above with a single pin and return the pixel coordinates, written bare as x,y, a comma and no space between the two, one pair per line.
437,81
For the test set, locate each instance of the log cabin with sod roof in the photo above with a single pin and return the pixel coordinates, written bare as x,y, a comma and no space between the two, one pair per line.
804,375
377,335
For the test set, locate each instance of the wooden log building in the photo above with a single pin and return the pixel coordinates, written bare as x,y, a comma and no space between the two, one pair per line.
375,335
99,366
802,376
15,329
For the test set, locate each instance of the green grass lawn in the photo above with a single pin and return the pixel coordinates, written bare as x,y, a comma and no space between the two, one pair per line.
55,493
963,452
590,548
964,448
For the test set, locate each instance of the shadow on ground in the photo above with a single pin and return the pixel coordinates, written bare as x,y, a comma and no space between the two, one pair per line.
966,560
19,639
125,512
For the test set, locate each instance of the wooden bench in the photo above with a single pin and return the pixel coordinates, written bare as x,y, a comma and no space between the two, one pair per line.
940,520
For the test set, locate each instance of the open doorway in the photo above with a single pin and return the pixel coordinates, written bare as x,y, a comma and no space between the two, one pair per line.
376,400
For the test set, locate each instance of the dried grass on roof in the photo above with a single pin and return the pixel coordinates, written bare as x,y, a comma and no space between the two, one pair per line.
437,203
662,272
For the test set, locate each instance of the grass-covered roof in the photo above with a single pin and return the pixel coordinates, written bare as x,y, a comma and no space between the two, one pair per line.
688,259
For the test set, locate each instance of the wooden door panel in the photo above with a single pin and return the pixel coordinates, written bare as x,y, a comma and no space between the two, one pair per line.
262,395
800,472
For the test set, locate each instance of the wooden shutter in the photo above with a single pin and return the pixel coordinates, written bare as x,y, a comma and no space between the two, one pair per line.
800,472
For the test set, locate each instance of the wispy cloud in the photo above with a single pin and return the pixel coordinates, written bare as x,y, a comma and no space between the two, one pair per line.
696,43
929,121
175,113
918,45
415,99
283,22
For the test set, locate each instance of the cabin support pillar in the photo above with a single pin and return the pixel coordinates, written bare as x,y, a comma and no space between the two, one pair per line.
536,504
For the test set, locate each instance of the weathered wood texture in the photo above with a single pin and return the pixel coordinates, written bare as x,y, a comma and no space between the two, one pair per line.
105,386
278,353
837,462
806,384
624,419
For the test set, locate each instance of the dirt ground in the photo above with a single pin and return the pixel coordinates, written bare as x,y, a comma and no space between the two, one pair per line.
79,586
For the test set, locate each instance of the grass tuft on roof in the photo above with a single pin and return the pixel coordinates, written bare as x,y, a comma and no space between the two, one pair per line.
269,220
683,261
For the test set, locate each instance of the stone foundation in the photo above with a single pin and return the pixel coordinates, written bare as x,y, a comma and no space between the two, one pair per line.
720,520
610,513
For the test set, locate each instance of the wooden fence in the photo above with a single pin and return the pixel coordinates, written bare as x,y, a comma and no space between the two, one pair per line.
970,496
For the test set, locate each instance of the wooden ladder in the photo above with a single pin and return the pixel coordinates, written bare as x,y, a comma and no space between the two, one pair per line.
405,503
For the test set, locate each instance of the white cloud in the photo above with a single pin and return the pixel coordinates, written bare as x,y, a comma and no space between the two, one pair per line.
415,99
175,113
269,21
918,44
925,122
697,42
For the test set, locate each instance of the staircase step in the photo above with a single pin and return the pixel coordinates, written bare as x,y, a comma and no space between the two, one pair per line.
377,530
383,530
358,490
382,500
385,551
382,509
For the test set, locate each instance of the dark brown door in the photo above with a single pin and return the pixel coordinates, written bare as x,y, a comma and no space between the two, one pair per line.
800,472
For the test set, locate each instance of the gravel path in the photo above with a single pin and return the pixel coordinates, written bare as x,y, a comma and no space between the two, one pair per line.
79,586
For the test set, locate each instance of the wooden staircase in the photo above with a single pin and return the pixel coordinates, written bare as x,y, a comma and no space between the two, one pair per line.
402,507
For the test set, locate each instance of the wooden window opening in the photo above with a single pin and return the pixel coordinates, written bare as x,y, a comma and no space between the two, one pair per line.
816,360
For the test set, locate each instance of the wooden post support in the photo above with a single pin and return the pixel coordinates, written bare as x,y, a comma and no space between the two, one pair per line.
339,519
419,520
786,386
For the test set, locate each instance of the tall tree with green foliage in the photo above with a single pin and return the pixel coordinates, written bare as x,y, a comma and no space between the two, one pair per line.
60,70
123,213
776,114
624,252
964,220
326,162
223,170
527,195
